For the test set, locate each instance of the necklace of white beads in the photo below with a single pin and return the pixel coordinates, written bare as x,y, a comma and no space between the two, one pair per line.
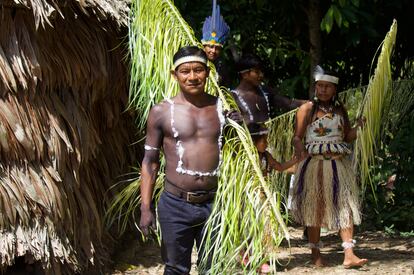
247,108
180,148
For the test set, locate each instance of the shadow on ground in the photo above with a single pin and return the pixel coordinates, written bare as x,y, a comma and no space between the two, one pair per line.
386,255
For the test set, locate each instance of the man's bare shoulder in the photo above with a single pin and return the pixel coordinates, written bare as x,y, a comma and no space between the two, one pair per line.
158,113
159,108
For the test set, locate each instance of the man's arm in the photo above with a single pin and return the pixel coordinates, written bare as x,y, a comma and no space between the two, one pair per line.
150,166
283,102
286,103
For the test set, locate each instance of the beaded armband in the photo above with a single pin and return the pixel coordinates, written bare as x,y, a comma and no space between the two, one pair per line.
150,148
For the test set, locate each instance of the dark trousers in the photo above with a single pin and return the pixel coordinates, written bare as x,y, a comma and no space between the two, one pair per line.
182,223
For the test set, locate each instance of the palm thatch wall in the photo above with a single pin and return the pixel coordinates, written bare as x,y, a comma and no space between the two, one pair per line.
64,134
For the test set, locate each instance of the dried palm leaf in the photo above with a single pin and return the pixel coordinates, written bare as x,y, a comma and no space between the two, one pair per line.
59,152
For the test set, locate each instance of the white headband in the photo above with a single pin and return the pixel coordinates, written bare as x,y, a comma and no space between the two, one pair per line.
262,132
327,77
189,58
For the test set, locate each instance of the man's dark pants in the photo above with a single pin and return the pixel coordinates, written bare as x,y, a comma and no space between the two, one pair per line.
181,223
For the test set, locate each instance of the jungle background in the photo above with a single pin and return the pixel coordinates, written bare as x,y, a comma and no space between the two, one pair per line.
293,36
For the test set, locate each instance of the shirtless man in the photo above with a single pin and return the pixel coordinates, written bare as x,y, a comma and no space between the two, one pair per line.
254,101
188,128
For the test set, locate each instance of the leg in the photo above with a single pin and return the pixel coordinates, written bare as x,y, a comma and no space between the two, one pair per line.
350,259
314,237
177,230
305,234
204,257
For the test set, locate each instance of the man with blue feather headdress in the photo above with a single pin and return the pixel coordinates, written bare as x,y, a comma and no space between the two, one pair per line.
215,33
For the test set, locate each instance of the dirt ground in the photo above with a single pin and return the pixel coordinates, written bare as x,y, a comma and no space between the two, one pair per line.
387,255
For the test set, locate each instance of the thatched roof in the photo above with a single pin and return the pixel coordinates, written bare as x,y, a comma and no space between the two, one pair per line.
64,134
44,10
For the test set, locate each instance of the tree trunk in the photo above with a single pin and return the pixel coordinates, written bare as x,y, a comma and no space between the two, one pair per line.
315,51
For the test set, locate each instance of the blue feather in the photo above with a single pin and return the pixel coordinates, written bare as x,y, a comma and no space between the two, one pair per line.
215,29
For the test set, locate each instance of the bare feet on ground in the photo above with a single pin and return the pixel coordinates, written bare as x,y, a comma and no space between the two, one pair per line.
353,261
317,259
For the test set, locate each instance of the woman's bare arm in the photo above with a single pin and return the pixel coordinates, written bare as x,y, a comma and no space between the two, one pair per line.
300,128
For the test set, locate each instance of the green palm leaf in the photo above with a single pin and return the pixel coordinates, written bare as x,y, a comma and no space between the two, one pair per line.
156,32
376,102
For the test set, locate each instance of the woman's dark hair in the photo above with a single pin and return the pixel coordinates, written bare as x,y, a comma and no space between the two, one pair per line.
336,103
249,61
190,50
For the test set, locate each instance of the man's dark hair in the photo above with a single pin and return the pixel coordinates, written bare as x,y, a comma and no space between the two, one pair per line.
190,50
249,61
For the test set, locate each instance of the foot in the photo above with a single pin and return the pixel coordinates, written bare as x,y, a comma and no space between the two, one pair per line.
319,262
353,261
317,259
264,269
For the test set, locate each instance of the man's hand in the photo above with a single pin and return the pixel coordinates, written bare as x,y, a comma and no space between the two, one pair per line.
234,115
147,222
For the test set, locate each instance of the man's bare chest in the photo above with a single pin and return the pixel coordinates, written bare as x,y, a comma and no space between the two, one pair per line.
256,102
187,123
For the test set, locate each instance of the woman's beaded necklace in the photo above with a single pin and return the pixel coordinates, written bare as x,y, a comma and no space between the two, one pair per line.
327,110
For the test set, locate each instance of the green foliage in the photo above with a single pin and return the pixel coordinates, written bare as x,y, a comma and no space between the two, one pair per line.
395,204
341,12
157,30
394,169
278,31
271,29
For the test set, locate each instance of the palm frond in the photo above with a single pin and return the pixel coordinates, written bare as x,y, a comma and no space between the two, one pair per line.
156,32
376,102
246,217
